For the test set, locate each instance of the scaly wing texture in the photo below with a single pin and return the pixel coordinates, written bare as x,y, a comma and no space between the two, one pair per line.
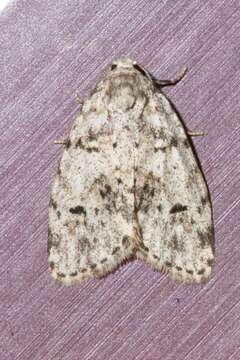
128,180
172,201
91,206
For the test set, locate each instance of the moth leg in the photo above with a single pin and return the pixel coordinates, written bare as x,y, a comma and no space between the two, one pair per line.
65,142
79,99
196,133
174,81
60,142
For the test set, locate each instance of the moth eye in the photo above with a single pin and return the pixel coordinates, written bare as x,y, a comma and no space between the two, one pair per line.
138,68
113,66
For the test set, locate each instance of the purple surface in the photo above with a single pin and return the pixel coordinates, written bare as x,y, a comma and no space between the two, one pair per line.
51,50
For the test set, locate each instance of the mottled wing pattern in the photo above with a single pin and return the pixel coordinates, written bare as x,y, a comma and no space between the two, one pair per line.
129,184
91,206
172,201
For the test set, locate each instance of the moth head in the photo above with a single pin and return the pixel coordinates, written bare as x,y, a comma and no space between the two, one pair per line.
128,64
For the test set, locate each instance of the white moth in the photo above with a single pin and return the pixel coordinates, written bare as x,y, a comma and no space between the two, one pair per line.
129,185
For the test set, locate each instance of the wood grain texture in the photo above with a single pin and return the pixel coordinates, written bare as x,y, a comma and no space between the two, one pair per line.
51,50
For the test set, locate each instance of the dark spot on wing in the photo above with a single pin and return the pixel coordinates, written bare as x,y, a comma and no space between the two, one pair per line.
199,209
51,241
174,142
202,237
143,247
178,208
119,180
205,237
102,223
103,260
159,207
115,250
53,203
78,210
92,136
102,193
189,271
93,266
49,244
204,200
186,143
146,187
145,208
51,265
195,170
89,149
84,245
179,268
158,133
82,270
156,257
175,244
114,145
62,275
146,196
126,241
210,262
58,214
96,211
80,144
201,272
106,191
92,149
156,149
73,273
68,144
162,148
109,208
168,264
136,144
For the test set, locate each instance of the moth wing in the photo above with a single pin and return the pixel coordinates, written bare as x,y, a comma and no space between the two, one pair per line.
91,207
174,212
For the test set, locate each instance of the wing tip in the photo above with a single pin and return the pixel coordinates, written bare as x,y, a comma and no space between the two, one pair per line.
181,273
80,275
186,275
69,279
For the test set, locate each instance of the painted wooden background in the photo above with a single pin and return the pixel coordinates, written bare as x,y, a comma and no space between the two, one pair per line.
49,51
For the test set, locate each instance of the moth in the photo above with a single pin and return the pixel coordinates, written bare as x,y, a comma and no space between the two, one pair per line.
129,186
